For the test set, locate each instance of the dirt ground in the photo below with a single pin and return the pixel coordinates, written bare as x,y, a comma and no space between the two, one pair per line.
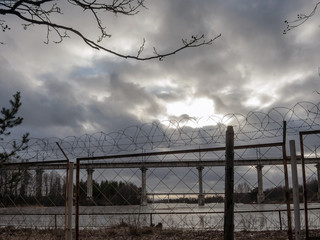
150,233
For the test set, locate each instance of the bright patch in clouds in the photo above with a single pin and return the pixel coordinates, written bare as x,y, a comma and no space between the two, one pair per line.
193,107
198,109
253,102
252,67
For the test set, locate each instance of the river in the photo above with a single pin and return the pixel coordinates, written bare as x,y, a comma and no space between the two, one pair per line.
251,217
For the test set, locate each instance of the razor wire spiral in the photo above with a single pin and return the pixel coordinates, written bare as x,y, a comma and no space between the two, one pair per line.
173,134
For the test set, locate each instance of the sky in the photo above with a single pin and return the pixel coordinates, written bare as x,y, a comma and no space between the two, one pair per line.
69,89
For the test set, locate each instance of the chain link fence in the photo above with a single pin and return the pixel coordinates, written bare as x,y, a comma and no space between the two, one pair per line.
184,191
169,175
310,144
33,196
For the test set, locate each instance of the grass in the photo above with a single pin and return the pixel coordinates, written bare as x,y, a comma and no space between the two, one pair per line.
142,233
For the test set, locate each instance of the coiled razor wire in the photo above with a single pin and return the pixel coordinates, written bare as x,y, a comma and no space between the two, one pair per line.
173,134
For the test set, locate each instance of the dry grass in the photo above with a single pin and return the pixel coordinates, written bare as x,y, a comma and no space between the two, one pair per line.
143,233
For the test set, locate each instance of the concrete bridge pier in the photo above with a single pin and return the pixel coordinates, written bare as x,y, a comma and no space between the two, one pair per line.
201,195
144,199
260,195
89,183
318,175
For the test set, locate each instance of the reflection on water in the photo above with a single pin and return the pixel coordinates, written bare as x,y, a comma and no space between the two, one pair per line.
247,217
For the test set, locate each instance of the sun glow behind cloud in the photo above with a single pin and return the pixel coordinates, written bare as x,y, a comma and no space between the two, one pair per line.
192,107
251,68
197,109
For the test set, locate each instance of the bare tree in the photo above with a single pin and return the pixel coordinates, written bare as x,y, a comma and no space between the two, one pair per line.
43,12
301,19
25,181
242,188
46,183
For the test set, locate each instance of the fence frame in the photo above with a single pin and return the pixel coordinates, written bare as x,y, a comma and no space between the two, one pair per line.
305,199
48,165
145,164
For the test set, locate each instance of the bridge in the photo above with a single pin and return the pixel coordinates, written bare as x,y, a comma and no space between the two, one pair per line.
92,163
39,167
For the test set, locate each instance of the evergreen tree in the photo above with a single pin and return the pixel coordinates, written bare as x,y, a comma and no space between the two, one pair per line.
9,120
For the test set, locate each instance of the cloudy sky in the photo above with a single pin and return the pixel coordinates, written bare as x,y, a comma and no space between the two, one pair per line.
69,89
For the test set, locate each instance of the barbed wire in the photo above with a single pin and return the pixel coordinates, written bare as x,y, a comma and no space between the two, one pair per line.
173,134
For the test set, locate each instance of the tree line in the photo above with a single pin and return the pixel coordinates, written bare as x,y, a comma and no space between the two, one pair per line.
30,191
243,193
49,189
110,193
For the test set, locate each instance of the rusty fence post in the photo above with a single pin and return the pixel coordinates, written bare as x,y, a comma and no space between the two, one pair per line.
77,198
295,190
66,211
286,180
66,202
70,201
304,184
229,182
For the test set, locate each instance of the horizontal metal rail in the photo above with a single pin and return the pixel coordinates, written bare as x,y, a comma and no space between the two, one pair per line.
161,164
196,150
193,193
144,213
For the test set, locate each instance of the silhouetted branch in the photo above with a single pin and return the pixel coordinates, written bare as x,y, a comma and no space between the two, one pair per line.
34,12
301,19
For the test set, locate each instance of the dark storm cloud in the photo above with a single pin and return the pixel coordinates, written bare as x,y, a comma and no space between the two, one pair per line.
122,105
54,107
252,50
310,83
71,89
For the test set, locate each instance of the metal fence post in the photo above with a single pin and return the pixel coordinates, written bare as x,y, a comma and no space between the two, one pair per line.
66,193
286,179
229,182
66,202
77,198
295,189
304,184
70,201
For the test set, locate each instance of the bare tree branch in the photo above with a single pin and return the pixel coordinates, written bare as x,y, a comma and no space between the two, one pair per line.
39,12
301,19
